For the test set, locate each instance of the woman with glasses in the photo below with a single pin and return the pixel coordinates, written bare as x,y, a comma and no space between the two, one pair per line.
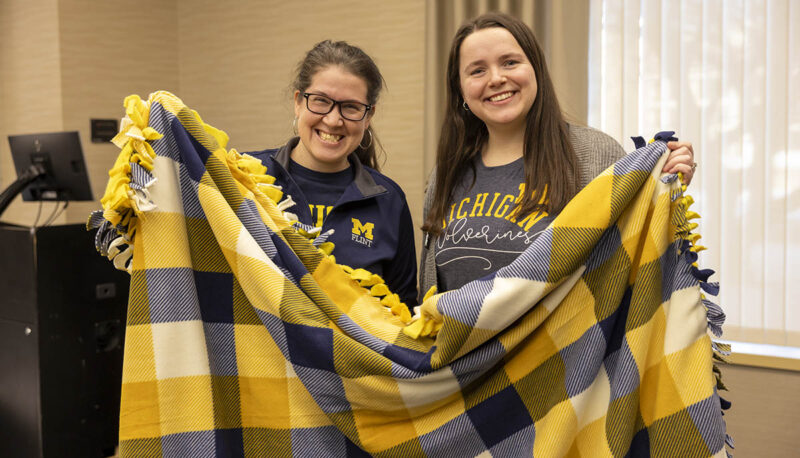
507,161
331,170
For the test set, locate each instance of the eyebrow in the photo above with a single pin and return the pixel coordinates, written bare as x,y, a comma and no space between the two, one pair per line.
328,96
502,57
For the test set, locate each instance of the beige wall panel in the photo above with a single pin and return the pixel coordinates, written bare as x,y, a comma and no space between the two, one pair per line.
765,415
564,35
236,66
111,49
30,84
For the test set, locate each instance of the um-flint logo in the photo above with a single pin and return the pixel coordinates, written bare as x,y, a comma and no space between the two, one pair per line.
362,233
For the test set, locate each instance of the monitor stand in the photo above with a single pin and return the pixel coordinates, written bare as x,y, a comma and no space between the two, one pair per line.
8,195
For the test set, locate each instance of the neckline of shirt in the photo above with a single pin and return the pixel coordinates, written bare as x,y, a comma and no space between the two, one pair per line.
345,175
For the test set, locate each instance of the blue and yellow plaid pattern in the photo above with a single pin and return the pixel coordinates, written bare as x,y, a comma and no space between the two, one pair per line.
245,339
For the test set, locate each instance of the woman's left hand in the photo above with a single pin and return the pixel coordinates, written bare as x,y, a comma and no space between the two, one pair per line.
681,159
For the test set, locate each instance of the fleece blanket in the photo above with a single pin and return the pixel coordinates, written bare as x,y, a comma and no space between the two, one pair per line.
245,337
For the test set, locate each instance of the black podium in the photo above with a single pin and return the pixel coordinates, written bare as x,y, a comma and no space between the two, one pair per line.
62,326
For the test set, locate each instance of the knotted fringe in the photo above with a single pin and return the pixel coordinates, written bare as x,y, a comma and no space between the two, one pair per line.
127,199
688,249
127,196
256,172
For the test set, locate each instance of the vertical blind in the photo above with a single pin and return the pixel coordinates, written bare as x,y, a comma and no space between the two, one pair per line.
724,75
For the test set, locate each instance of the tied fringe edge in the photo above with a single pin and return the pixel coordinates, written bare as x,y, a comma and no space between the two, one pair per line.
127,199
127,194
688,249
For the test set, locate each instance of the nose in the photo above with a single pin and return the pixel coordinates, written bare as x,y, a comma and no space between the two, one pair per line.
334,118
496,76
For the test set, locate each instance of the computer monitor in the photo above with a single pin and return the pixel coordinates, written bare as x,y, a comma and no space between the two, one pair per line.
60,155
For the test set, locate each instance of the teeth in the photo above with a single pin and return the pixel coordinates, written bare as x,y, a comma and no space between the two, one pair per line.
329,137
500,97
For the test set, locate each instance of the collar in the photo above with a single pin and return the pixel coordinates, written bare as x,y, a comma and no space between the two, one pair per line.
361,177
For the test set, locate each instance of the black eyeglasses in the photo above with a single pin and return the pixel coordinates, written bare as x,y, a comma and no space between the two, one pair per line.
320,104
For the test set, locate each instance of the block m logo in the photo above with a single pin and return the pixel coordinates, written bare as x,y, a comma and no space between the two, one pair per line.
362,229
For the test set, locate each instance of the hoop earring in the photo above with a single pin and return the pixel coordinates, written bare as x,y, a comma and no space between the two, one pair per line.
464,104
294,125
370,140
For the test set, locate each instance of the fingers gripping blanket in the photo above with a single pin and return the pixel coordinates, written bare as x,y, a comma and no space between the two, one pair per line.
245,338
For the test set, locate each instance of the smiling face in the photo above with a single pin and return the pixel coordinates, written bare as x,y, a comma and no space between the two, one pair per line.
497,79
327,140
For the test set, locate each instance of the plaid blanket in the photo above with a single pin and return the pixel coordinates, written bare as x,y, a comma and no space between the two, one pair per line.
246,338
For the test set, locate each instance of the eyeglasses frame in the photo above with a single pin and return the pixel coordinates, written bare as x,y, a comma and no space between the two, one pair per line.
369,107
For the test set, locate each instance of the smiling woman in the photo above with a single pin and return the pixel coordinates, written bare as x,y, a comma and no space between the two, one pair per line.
515,162
331,170
507,161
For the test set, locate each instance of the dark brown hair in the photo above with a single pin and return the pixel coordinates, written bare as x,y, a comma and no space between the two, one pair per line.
549,160
353,59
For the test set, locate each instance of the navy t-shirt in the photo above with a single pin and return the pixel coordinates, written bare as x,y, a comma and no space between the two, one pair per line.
321,189
482,232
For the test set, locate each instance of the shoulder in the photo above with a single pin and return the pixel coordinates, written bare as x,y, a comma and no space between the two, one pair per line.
587,138
263,155
595,151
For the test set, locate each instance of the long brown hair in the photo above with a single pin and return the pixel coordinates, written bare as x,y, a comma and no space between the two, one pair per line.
549,160
353,59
